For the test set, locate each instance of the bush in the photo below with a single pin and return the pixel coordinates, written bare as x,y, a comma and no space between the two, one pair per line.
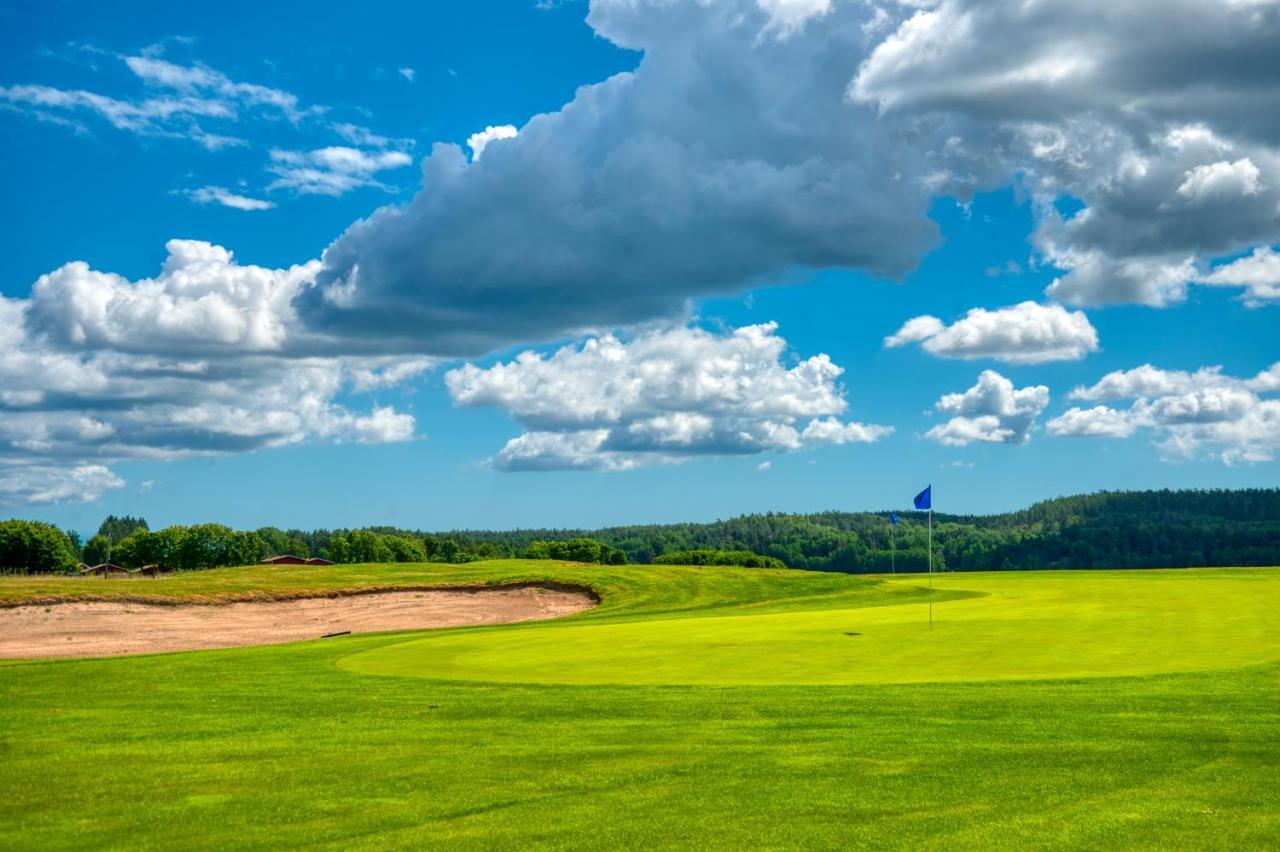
575,550
743,558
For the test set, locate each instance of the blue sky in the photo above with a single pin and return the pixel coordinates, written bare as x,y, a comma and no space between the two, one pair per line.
808,170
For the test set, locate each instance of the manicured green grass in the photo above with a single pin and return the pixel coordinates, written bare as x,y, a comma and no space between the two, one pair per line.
292,745
1022,625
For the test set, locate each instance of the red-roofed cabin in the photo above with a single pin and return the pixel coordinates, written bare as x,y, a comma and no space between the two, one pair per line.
316,560
106,569
285,559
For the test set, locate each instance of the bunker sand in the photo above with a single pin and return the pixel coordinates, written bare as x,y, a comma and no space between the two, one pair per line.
111,628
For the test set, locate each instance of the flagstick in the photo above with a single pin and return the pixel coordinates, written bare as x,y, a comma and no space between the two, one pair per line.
931,564
893,551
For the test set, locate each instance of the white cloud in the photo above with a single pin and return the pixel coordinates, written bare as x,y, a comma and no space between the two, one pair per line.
200,360
829,430
1098,422
1222,179
764,466
664,396
1095,278
477,142
788,16
1189,413
1258,273
384,425
1027,333
914,330
672,181
407,73
34,484
179,100
227,198
991,411
1158,131
201,300
334,170
1149,381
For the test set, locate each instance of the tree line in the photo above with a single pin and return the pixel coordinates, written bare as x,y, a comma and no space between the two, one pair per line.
1129,529
1136,529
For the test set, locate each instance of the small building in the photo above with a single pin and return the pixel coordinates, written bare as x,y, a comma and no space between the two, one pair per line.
154,570
284,559
316,560
105,569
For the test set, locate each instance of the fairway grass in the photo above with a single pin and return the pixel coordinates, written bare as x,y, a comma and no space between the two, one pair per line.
325,744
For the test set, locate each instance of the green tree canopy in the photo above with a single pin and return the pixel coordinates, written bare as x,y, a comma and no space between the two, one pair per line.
33,547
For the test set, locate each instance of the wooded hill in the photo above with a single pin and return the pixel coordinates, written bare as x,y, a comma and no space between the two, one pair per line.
1128,529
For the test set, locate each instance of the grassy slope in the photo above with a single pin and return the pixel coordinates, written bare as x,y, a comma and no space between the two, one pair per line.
277,746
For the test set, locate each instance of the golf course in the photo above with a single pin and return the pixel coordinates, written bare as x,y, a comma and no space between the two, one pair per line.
693,706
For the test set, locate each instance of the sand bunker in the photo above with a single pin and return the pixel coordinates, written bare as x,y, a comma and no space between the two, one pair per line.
101,628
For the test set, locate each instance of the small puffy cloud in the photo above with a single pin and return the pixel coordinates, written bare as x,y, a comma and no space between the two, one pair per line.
665,396
1096,278
992,411
1097,422
1258,273
1149,381
334,170
477,142
1028,333
914,330
384,425
764,466
1222,179
36,484
227,198
407,73
829,430
1189,413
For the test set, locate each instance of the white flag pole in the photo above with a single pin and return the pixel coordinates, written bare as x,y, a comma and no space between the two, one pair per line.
931,562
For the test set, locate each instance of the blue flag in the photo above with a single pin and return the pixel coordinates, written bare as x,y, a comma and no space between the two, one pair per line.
924,500
893,517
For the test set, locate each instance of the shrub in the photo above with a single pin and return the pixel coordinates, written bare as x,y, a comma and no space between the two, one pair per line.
743,558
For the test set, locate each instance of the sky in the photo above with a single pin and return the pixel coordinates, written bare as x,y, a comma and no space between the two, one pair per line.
569,264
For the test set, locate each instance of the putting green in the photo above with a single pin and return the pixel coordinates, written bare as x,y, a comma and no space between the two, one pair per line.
1021,625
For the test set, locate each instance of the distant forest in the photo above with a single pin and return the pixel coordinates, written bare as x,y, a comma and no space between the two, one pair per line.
1125,529
1129,529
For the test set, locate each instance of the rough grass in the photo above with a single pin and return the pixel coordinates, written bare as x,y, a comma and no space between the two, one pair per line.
280,746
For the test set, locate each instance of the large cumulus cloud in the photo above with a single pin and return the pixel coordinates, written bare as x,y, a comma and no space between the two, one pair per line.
1160,115
731,155
96,369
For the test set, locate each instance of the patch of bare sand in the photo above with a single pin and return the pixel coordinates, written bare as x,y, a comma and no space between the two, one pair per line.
107,628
